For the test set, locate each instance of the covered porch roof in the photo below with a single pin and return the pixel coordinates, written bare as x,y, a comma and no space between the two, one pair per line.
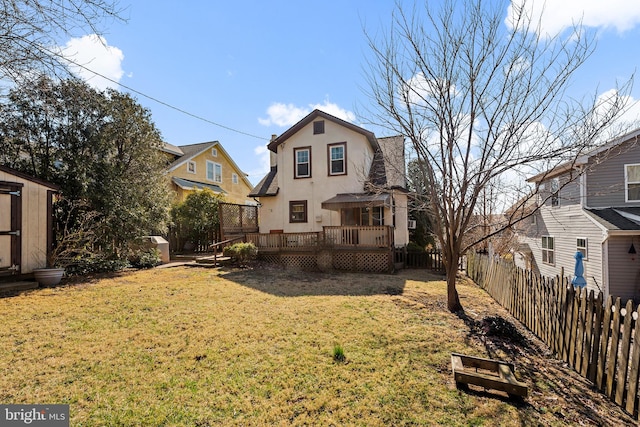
357,200
186,184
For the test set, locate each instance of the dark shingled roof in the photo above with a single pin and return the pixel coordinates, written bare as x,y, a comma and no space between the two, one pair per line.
268,186
614,219
377,173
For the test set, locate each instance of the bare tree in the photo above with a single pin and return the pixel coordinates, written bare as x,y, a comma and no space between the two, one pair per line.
478,99
30,30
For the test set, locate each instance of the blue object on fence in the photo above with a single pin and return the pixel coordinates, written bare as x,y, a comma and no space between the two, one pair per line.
578,280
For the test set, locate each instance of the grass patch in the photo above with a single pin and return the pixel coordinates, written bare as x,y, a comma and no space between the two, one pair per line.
191,347
338,353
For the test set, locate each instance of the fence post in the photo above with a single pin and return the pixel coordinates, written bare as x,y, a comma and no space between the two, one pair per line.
613,353
633,369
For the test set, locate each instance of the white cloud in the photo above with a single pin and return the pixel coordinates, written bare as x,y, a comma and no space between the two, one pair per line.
94,53
285,115
558,15
264,155
419,88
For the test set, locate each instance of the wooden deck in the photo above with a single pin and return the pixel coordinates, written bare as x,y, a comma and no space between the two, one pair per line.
331,237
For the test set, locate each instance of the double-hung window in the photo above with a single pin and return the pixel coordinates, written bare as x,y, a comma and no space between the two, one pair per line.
214,171
338,159
302,162
555,188
548,250
298,211
632,182
581,246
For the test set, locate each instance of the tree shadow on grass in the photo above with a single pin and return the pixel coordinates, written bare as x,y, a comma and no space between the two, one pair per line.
295,283
556,391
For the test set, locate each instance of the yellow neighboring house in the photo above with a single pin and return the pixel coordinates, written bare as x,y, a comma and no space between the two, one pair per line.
206,165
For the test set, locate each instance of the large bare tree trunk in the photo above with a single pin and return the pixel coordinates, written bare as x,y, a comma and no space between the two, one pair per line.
453,301
478,99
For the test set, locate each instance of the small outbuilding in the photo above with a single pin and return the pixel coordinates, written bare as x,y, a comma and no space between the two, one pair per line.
26,223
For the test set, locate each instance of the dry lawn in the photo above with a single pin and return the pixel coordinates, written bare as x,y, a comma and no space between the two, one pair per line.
196,347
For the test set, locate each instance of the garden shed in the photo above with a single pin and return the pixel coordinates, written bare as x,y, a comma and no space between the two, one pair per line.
26,222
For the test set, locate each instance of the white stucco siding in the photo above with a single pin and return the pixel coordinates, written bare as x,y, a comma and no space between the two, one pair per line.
401,231
566,225
320,186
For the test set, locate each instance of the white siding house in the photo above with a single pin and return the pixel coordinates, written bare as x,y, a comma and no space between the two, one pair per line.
328,172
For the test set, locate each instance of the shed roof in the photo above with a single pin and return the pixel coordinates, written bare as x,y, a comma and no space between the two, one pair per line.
356,200
268,186
28,177
187,184
625,218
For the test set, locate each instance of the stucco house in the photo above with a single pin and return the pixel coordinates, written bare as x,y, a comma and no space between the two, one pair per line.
206,165
592,206
328,172
26,223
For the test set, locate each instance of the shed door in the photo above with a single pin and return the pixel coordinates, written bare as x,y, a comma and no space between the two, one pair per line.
10,223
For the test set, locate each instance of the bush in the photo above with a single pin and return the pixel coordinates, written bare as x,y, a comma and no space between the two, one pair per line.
145,258
241,252
95,264
414,247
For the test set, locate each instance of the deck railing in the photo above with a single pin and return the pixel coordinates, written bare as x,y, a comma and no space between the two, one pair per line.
331,236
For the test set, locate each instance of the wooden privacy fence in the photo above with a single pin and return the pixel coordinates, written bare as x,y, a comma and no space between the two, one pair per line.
599,339
430,259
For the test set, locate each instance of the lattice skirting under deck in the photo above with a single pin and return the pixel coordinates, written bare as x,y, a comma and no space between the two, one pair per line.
360,261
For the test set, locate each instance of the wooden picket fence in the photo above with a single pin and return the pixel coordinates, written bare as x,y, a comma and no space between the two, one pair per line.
599,339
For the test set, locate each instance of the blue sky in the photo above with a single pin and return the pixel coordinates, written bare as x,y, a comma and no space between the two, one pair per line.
259,66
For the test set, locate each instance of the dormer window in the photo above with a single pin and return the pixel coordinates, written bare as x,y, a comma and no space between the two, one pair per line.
318,127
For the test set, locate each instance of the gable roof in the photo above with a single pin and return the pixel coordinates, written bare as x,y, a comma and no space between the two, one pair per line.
584,159
273,145
193,150
28,177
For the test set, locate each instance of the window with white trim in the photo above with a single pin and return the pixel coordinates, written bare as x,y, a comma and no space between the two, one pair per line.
191,167
548,250
234,178
555,188
214,152
632,182
337,159
581,246
214,171
302,159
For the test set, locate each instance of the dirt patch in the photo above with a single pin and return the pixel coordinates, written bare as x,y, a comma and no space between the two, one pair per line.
557,394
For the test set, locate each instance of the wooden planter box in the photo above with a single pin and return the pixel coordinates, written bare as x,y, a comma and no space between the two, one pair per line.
487,373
